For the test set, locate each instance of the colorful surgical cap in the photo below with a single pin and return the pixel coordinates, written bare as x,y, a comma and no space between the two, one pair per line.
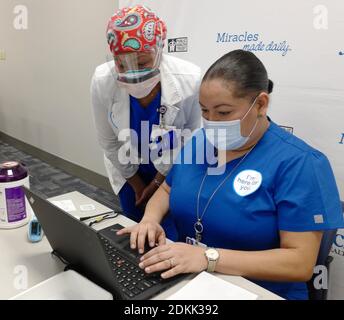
135,29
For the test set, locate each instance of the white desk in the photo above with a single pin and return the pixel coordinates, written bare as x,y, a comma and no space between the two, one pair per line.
16,250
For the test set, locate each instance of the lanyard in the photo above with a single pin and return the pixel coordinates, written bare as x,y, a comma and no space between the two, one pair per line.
198,226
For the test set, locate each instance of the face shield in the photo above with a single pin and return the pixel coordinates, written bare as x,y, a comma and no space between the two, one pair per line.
137,67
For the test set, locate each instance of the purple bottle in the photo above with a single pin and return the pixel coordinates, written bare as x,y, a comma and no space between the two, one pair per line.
13,205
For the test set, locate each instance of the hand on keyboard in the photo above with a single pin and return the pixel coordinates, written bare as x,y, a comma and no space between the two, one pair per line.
143,230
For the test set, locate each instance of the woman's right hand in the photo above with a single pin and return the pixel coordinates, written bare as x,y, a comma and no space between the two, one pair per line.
140,232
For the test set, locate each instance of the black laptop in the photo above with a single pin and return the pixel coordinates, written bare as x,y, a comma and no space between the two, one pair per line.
101,256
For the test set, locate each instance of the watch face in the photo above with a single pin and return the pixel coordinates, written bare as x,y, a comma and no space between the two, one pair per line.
212,254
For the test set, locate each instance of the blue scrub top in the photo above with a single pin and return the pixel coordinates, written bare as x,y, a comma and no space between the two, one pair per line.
147,171
150,114
297,193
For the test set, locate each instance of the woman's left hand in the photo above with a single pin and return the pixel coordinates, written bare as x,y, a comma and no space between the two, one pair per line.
175,258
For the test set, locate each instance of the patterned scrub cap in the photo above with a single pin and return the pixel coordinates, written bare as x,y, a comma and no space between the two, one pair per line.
135,29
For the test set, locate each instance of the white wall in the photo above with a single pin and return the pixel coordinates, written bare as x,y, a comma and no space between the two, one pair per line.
45,79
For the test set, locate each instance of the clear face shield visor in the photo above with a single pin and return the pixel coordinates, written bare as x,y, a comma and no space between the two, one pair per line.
136,67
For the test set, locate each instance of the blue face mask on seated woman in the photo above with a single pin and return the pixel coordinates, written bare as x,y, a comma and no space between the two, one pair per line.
226,135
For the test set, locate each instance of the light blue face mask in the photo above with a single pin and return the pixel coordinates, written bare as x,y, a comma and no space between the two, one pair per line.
226,135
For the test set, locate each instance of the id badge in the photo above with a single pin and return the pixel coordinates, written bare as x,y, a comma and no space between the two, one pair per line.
193,242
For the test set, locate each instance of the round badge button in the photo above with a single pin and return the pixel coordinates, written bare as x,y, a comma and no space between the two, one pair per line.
247,182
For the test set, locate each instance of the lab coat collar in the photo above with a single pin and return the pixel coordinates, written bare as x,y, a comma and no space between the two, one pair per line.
170,95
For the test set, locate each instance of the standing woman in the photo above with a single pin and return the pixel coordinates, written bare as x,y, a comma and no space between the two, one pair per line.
152,94
263,216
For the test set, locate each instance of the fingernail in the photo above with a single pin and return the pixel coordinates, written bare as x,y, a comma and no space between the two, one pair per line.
151,244
142,258
147,270
133,246
141,265
141,250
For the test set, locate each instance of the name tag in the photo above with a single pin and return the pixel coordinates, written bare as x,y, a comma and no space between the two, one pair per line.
193,242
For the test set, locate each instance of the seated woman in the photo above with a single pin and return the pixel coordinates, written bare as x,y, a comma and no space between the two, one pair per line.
265,202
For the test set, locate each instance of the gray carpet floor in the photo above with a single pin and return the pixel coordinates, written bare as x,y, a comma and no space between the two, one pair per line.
48,181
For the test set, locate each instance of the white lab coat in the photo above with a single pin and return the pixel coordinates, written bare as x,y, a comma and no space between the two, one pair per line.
179,93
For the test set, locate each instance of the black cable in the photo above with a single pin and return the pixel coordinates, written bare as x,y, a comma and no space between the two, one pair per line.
106,217
96,215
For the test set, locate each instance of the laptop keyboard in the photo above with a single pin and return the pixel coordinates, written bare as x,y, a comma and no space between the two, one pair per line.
131,279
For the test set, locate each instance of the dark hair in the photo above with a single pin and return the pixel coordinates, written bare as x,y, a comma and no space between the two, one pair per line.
244,70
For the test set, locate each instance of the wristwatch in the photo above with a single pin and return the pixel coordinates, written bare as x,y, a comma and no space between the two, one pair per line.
212,255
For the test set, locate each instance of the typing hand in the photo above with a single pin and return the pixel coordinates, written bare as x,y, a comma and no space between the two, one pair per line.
143,230
173,259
